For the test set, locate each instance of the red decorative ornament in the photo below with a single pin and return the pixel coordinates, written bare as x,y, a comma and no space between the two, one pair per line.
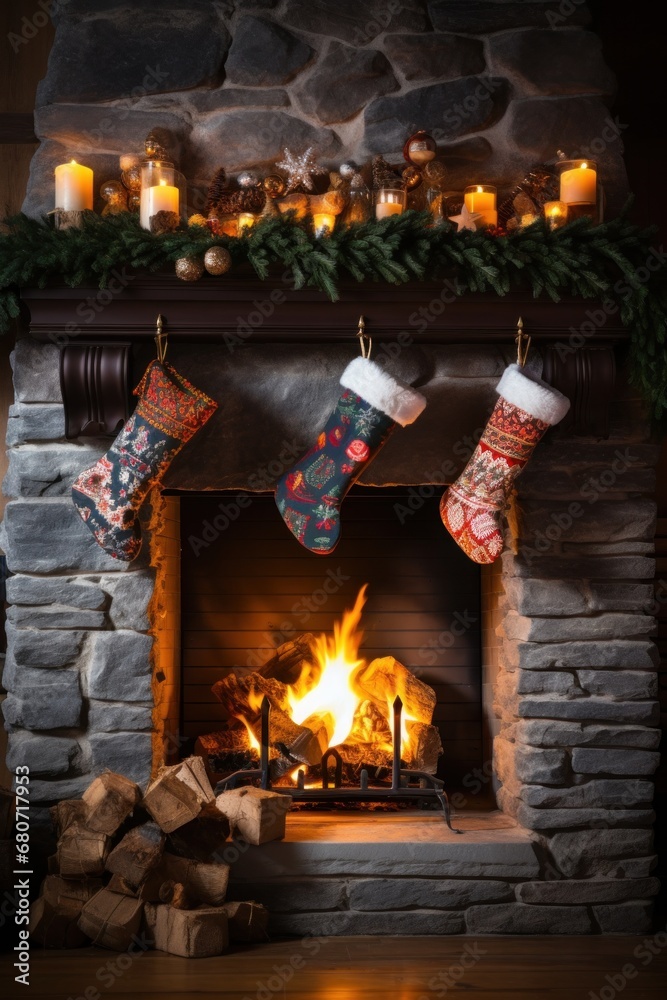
495,231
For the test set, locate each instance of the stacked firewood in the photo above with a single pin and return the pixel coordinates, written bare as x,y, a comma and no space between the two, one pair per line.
294,668
153,864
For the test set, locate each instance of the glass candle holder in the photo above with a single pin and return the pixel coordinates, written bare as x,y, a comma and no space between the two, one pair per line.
578,187
162,190
481,198
555,212
359,207
246,221
389,201
323,223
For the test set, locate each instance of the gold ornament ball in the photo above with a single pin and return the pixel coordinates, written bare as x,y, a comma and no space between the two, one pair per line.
412,177
217,260
274,186
197,220
189,268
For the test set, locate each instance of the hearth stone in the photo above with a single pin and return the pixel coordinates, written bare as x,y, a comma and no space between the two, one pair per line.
45,756
474,16
598,852
264,54
596,891
43,699
127,753
119,668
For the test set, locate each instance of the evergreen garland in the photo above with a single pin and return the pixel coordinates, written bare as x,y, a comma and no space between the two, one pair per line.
615,261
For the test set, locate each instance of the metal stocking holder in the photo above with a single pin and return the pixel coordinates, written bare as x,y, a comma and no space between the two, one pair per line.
403,781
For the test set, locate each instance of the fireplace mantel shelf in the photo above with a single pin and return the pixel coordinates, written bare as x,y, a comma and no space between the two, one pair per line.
215,306
96,331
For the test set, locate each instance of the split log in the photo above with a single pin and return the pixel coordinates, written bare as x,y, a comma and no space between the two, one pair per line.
66,812
370,724
55,925
82,853
425,747
384,678
203,838
111,919
205,883
119,884
256,816
243,696
226,751
178,794
295,660
176,895
52,866
248,922
59,890
200,933
139,851
110,800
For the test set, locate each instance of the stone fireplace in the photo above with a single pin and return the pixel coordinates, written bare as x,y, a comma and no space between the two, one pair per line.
550,728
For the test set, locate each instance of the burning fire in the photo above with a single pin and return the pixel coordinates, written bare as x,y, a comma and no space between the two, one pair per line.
333,699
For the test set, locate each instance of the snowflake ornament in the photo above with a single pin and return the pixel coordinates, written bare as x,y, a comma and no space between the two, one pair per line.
300,169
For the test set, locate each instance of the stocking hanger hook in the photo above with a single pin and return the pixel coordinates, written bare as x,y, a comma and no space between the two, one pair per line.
522,341
365,342
161,340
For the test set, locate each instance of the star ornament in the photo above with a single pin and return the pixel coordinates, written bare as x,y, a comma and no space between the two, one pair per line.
300,169
466,220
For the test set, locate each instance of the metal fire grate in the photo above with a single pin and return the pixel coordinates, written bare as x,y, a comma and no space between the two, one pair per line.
405,784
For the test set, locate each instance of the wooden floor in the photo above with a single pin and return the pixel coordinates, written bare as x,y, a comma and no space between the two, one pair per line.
360,968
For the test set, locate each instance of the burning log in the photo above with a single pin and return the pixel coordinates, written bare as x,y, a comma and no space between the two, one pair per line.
257,816
110,800
178,794
370,724
226,751
384,678
198,933
111,920
293,660
301,744
425,747
138,852
242,696
248,922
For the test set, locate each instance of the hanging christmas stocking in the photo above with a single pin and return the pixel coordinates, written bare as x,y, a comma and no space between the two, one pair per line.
108,495
309,496
472,508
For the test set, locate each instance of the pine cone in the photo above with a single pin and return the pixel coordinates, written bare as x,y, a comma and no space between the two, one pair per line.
216,189
246,200
384,176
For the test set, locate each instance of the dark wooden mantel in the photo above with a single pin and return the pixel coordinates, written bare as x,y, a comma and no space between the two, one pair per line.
97,329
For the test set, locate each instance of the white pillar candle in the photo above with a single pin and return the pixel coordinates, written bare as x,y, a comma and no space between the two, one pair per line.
578,186
389,201
162,197
74,187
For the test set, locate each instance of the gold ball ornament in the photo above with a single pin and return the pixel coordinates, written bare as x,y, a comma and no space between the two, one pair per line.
189,268
412,177
217,260
274,186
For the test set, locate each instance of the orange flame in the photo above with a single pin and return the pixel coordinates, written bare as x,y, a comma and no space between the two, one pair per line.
333,695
